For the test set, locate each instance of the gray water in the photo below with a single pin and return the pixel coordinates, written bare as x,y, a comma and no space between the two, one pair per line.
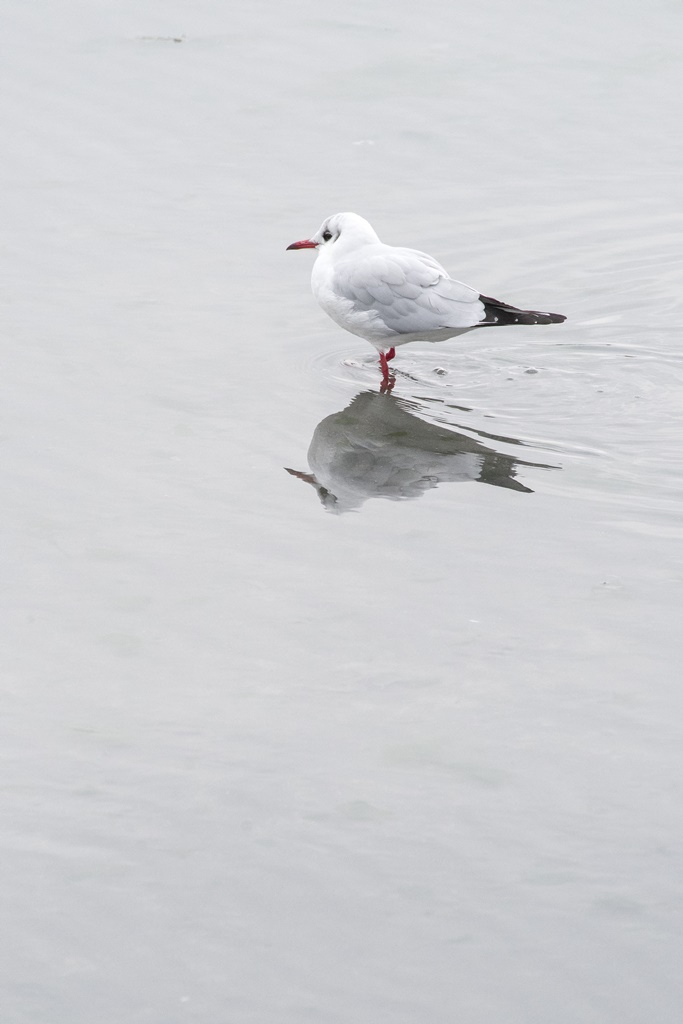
395,738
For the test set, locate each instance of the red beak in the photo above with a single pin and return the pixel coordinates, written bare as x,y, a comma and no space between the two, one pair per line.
306,243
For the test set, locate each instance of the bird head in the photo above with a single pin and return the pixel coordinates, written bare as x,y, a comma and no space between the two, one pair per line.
345,229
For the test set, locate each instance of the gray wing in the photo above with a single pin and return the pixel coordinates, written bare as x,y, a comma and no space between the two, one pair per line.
408,290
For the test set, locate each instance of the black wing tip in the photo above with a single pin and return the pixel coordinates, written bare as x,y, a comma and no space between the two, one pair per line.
555,318
503,313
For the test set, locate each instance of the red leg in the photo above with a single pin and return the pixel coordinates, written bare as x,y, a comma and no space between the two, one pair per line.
387,381
391,353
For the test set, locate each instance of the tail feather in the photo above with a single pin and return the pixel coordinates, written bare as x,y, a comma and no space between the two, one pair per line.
503,313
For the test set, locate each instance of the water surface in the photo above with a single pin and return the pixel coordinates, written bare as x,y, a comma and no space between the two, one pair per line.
395,738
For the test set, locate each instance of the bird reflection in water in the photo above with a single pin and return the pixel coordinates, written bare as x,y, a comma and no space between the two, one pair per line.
378,448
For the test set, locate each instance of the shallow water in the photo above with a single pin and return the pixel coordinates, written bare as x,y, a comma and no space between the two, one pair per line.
368,740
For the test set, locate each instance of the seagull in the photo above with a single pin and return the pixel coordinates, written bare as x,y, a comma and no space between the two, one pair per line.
390,295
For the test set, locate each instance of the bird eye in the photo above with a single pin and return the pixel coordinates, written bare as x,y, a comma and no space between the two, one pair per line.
327,235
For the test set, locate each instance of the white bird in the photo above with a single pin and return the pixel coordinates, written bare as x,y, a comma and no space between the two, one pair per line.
391,296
